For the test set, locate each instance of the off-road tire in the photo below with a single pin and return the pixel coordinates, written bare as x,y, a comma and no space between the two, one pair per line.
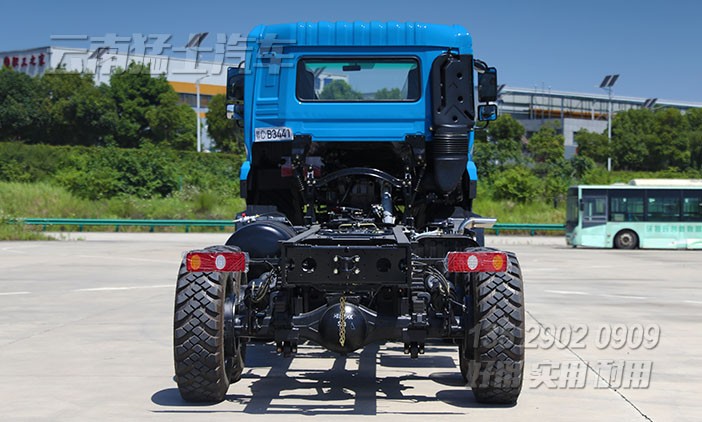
626,239
492,355
206,361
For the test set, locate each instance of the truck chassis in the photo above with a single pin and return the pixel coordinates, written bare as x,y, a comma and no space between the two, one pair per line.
385,284
359,226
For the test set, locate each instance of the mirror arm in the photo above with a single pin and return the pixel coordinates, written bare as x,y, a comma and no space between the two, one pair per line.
480,66
478,128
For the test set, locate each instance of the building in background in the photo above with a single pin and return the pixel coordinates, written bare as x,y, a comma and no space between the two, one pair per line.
571,111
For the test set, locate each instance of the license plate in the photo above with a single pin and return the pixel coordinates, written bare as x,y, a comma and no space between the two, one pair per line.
273,134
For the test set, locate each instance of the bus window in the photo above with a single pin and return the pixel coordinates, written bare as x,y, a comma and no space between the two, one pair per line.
692,206
663,206
595,210
626,205
572,208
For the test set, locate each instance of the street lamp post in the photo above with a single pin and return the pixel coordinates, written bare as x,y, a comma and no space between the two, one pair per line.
607,84
197,95
194,43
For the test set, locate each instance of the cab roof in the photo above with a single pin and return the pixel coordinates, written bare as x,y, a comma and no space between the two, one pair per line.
361,33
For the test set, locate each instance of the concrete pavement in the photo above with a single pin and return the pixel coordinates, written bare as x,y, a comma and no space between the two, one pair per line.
85,333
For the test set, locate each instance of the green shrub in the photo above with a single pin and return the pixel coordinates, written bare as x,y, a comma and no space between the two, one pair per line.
106,172
517,184
13,171
597,175
32,163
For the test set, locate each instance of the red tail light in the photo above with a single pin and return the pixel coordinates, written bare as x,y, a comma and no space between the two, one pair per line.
217,261
476,262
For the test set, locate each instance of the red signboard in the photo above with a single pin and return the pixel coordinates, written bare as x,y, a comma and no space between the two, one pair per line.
24,61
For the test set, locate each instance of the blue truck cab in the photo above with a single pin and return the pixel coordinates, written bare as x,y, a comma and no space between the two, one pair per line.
394,97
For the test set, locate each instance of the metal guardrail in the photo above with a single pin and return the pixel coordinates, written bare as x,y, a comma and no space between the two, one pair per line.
531,228
82,222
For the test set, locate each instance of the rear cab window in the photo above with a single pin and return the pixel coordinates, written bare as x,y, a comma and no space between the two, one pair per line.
348,79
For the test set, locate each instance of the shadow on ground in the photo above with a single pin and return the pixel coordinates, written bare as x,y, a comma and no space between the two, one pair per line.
336,390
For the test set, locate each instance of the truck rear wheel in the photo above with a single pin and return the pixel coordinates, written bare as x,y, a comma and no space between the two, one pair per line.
492,354
206,358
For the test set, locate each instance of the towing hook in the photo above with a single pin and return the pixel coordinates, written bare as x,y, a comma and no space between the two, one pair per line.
414,349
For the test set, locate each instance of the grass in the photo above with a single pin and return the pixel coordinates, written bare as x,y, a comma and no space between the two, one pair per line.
512,212
16,231
44,200
506,211
37,200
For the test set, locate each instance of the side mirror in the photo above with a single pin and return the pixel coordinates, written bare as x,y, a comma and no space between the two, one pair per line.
235,111
235,85
487,113
487,85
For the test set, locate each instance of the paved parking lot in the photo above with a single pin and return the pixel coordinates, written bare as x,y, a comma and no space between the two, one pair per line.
85,333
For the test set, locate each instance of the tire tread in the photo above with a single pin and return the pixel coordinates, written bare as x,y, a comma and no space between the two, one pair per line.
500,327
198,334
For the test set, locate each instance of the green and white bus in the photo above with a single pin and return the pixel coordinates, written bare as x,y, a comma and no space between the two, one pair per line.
646,213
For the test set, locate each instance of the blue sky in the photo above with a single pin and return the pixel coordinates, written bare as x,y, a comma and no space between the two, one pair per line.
565,45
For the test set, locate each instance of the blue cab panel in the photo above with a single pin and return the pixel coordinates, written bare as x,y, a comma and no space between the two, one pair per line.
273,55
271,65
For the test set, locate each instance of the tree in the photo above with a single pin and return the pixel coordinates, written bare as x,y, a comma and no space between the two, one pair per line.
592,145
635,122
77,112
629,148
628,152
339,90
508,134
581,165
19,105
149,112
693,117
557,176
388,94
485,156
671,147
226,133
546,146
172,125
653,141
501,144
547,149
